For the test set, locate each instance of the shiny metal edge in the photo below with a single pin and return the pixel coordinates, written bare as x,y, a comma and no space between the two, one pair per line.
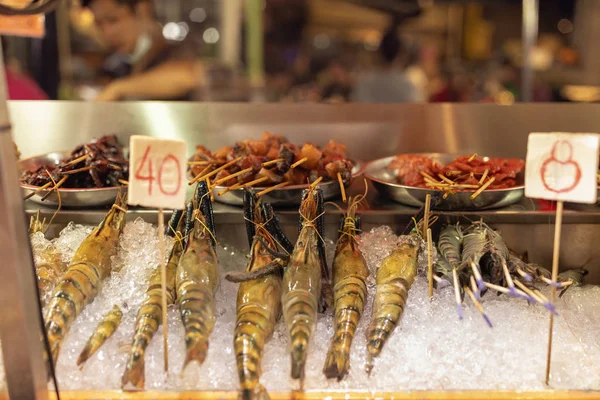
286,196
376,171
69,197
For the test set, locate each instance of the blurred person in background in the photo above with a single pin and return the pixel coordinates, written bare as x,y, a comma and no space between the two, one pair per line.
19,85
144,65
388,82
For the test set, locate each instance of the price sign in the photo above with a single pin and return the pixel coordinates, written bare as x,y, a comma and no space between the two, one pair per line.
157,172
562,167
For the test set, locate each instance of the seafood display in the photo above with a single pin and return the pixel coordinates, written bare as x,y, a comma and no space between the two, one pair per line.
271,161
258,303
305,281
394,279
105,330
49,264
322,310
475,259
289,279
149,316
98,164
463,173
197,277
350,274
90,265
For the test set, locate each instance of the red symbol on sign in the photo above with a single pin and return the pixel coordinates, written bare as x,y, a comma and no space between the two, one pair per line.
561,158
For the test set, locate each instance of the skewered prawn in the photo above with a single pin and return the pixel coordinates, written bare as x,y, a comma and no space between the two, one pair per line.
302,280
105,330
350,292
394,278
258,299
90,265
197,279
475,245
149,316
450,243
50,267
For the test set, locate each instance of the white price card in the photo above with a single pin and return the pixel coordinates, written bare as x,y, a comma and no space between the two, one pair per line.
562,166
157,172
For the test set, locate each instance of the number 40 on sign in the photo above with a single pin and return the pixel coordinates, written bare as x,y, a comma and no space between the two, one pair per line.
157,172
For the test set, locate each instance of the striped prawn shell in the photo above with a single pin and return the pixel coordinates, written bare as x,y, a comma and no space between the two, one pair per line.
149,318
395,276
300,297
90,265
258,307
350,292
105,329
196,281
449,244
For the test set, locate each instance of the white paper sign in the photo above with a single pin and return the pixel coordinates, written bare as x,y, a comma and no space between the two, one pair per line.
157,172
562,166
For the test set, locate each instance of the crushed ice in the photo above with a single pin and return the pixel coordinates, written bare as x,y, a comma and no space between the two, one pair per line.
430,349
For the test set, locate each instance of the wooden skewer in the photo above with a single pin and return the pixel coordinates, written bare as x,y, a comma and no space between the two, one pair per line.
78,159
472,157
300,161
485,174
474,287
438,184
541,295
210,187
529,292
163,285
342,188
429,263
509,279
426,175
502,289
201,175
78,170
115,167
41,188
457,293
315,183
426,214
255,182
275,161
229,189
270,189
204,171
123,182
201,162
58,184
478,305
497,288
482,188
447,180
232,176
555,259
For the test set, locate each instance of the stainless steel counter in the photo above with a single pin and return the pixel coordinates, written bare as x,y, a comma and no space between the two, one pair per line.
369,131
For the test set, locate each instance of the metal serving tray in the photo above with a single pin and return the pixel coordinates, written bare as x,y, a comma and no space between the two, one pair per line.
70,198
384,181
285,196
